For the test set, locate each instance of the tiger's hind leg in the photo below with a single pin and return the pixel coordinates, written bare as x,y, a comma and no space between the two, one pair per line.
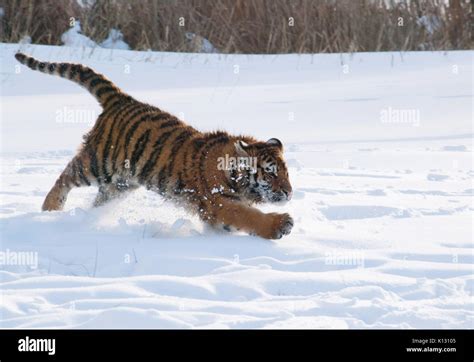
112,191
76,174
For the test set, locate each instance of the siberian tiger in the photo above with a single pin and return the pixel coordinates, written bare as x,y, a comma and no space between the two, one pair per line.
134,144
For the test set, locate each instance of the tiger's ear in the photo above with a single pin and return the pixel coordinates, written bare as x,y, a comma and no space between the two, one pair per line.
241,148
275,142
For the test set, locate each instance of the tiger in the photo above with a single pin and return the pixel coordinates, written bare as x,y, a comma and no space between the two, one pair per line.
133,144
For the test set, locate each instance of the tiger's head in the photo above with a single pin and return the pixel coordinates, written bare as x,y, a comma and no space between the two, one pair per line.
266,180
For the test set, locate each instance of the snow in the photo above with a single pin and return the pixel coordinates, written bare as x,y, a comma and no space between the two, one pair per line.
200,44
115,41
25,40
430,22
382,204
73,37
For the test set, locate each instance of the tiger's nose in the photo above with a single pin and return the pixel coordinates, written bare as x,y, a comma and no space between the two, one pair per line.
288,194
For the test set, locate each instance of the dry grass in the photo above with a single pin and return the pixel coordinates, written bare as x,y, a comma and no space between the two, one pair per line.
249,26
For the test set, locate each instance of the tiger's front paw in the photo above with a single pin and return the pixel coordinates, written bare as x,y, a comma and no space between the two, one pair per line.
282,225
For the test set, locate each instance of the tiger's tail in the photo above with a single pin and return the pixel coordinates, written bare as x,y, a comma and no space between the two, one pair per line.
97,84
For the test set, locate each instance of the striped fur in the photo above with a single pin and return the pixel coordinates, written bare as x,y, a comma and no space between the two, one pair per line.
134,144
